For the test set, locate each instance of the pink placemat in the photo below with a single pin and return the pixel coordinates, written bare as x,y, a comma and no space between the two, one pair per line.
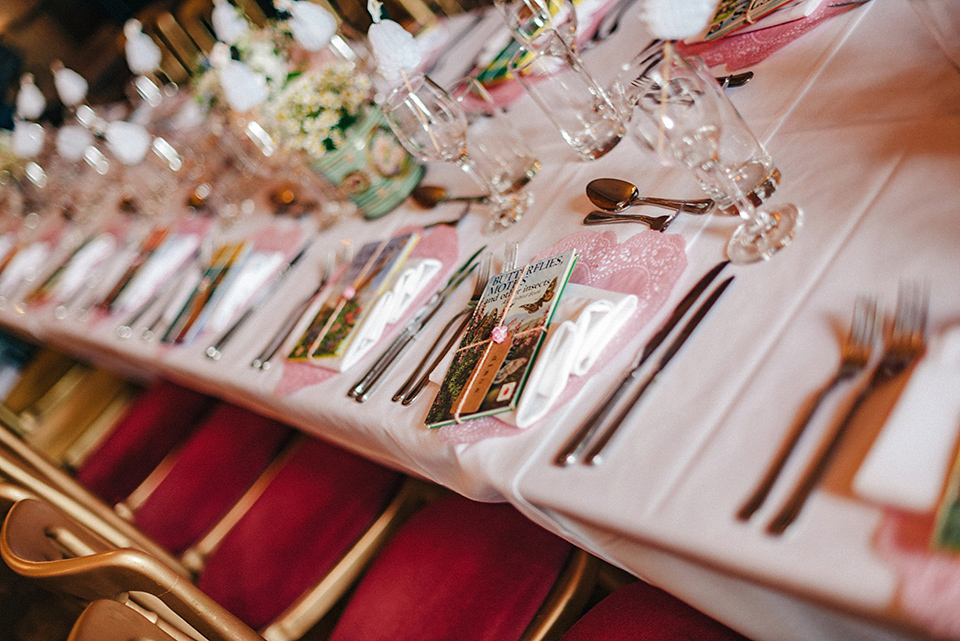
929,589
440,243
647,265
739,51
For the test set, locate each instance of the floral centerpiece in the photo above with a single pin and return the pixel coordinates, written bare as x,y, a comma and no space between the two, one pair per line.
311,100
316,108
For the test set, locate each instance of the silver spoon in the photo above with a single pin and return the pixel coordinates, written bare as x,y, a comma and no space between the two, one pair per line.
615,195
429,196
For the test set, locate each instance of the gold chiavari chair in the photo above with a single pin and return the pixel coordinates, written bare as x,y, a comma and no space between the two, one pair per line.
468,555
107,620
44,544
62,407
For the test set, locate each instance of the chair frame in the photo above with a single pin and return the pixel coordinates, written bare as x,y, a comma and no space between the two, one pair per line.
107,620
37,539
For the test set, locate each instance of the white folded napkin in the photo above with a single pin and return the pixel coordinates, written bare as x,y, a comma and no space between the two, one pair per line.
143,54
907,465
254,272
243,88
162,265
584,323
312,26
673,20
82,264
30,100
228,23
70,86
23,267
388,309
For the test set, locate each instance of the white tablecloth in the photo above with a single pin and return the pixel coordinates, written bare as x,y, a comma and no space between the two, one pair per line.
862,116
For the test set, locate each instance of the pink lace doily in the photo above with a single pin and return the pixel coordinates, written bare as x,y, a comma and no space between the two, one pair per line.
440,243
647,265
746,49
929,589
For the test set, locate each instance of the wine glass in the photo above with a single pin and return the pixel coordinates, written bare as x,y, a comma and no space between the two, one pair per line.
530,20
691,118
432,126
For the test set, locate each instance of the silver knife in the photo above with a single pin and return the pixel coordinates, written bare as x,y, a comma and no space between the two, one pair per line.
574,447
593,455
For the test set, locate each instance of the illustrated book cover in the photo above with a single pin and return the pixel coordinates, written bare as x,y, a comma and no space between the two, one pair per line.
501,342
354,295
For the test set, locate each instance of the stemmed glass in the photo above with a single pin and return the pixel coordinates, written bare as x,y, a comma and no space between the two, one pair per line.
432,126
692,116
530,20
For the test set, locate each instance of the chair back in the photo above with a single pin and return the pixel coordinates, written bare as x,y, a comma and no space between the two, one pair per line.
106,620
320,505
41,543
462,570
154,426
180,501
640,612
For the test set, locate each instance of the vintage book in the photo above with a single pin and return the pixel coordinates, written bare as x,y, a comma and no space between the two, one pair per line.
501,342
733,14
356,292
223,267
946,530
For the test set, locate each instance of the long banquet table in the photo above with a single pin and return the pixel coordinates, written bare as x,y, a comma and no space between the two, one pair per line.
862,116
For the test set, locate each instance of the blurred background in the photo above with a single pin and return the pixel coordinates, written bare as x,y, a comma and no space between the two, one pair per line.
87,36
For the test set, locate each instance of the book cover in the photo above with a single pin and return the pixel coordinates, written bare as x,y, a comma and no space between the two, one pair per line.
501,342
336,323
733,14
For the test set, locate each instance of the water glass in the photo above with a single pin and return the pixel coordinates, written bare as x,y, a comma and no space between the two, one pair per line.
570,98
497,149
692,117
636,92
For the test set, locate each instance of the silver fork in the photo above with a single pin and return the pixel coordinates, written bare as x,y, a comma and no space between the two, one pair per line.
420,376
906,344
854,357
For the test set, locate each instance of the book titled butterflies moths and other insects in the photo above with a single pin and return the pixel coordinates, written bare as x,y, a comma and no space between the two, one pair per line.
501,342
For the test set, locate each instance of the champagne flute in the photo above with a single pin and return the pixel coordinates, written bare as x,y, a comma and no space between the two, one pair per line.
691,115
432,126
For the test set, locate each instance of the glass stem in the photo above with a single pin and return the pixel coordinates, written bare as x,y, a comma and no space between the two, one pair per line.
756,221
467,165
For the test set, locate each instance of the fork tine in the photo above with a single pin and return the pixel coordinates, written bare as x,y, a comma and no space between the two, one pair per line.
510,256
483,275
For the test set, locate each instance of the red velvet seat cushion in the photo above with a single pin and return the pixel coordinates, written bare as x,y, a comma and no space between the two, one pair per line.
318,505
156,423
216,465
457,570
641,612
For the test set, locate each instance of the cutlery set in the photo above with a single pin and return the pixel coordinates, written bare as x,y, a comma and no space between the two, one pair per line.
588,443
905,344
